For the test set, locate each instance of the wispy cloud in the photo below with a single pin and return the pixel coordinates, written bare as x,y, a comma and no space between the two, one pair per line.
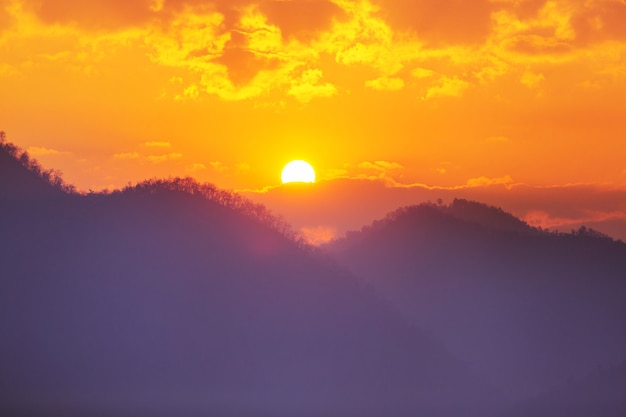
38,151
125,156
310,86
447,87
485,181
196,167
386,84
158,159
155,159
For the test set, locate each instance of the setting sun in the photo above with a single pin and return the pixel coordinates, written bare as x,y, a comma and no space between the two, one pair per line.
298,171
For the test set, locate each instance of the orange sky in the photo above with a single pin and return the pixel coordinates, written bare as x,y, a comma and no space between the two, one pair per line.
444,93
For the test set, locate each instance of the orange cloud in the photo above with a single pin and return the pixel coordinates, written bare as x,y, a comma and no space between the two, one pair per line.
310,85
158,144
447,87
441,21
39,151
302,19
600,20
95,13
195,167
484,181
418,82
125,156
545,220
157,159
386,84
6,19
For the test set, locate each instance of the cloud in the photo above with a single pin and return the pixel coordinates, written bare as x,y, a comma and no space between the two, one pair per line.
38,151
332,203
302,19
367,170
6,18
422,73
309,86
125,156
381,166
268,50
532,80
218,166
238,168
386,84
600,20
485,181
158,159
191,92
343,173
440,21
448,87
197,167
546,220
94,14
243,167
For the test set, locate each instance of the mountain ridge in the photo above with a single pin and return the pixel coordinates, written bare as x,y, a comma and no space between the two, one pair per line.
171,296
177,296
486,291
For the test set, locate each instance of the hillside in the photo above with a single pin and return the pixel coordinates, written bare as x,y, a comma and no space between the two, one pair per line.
525,309
600,393
174,298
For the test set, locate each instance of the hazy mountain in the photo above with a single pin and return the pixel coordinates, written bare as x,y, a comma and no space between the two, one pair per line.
600,393
174,298
524,308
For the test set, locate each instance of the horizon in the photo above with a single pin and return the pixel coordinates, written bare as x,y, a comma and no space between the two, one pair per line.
298,196
502,100
304,205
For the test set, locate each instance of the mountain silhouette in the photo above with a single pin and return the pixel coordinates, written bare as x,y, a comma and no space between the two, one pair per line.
23,178
525,309
176,298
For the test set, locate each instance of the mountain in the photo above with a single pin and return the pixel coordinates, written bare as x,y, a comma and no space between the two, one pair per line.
526,309
23,178
176,298
600,393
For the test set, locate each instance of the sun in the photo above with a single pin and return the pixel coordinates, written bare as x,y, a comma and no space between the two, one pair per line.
298,171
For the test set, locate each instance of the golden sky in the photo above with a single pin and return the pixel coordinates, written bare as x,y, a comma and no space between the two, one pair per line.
439,93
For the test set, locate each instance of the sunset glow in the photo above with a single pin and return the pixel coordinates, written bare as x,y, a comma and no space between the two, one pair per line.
299,208
427,94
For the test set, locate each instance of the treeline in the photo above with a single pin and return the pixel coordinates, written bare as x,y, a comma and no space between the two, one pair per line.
188,185
226,198
50,176
471,212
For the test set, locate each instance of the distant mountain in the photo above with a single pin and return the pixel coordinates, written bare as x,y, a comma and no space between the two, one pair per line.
600,393
175,298
493,218
524,308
